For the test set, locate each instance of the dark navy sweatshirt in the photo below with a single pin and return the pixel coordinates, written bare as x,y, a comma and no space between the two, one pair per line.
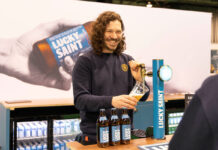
96,79
198,130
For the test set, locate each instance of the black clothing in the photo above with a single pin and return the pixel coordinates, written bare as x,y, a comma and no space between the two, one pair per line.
96,79
198,130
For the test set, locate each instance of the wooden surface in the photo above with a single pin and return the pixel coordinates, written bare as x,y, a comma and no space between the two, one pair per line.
69,101
132,146
169,96
37,103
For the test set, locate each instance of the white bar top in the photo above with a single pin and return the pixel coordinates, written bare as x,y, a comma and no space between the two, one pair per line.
37,103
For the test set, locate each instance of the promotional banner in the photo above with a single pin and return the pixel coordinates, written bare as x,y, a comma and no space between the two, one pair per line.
36,35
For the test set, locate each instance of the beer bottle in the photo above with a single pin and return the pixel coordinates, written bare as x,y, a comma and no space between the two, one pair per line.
54,49
125,127
102,129
114,128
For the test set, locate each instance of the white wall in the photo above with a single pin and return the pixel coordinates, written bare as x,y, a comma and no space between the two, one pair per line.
214,46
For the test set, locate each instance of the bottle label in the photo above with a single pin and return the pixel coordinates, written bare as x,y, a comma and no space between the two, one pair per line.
103,118
126,132
20,131
27,130
114,117
104,134
69,43
115,132
125,116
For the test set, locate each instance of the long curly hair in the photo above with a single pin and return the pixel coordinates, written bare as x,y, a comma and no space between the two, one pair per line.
98,30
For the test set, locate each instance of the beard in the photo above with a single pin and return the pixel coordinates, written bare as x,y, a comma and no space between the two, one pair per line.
111,44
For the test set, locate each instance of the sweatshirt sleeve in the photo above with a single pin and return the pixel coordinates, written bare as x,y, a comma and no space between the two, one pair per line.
84,100
194,131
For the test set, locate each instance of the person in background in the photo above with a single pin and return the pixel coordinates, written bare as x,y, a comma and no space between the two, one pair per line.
104,76
198,129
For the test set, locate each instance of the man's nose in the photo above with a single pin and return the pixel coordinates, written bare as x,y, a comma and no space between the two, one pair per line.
114,35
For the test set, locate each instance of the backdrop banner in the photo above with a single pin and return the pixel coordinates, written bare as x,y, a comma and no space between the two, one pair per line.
180,38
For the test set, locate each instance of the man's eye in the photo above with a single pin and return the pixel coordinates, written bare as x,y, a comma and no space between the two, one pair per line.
118,32
109,31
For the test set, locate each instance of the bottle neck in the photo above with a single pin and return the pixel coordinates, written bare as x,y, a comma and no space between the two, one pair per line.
102,113
113,112
125,111
143,73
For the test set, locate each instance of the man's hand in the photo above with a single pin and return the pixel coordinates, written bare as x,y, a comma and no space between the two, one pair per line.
135,70
126,101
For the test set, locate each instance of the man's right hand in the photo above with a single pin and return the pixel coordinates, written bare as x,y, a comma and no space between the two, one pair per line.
126,101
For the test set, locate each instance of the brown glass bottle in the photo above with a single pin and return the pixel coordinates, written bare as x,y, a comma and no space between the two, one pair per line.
114,128
52,50
102,129
125,123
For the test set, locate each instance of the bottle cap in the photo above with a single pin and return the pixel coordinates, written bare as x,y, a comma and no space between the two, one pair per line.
102,109
113,108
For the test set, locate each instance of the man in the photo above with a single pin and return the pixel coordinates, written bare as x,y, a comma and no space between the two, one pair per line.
198,130
102,78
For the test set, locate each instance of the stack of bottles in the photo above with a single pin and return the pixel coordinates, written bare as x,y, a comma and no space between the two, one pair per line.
33,135
26,130
173,121
66,127
42,145
32,145
115,130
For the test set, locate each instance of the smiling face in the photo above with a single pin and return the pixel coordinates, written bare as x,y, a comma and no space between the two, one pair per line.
112,36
